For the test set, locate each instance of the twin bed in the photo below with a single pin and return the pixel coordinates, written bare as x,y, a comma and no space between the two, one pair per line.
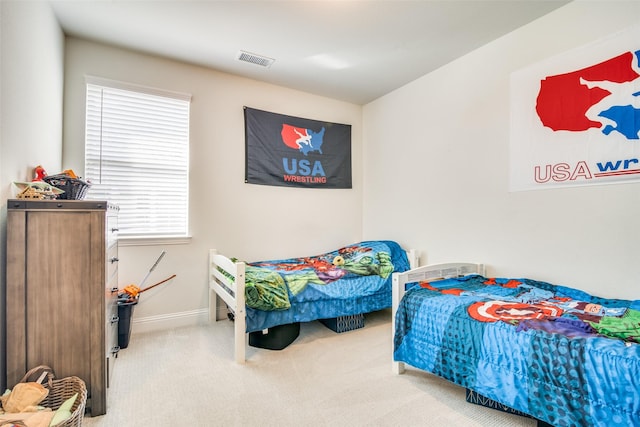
551,352
352,280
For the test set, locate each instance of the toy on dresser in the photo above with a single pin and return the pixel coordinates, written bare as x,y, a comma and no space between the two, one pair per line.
65,185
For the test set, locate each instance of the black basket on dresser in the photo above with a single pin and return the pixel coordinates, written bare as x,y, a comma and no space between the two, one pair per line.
74,188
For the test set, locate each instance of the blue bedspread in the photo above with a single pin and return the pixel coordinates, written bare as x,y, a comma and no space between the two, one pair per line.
351,280
556,353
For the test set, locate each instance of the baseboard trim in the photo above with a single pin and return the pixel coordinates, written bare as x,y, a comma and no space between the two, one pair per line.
169,321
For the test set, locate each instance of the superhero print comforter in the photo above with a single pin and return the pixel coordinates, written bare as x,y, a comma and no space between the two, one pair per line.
559,354
351,280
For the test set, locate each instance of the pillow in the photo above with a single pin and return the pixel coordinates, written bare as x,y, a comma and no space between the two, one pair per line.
63,413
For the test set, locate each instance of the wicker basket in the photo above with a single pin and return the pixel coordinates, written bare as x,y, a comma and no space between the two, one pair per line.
74,188
59,391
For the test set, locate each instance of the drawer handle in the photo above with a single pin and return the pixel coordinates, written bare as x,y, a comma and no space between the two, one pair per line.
114,319
114,290
115,350
113,230
114,259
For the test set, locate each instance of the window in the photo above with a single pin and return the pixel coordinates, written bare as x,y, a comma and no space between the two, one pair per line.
137,156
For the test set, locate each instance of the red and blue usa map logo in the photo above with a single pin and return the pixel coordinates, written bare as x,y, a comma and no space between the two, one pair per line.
605,96
301,139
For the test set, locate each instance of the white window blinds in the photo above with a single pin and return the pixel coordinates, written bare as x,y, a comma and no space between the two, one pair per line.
137,156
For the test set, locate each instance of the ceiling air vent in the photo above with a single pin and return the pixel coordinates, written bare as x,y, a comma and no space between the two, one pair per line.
252,58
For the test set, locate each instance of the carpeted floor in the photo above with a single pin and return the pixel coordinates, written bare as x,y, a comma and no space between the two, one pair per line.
187,377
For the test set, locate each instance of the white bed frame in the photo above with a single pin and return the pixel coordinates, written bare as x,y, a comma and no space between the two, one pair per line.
428,273
232,292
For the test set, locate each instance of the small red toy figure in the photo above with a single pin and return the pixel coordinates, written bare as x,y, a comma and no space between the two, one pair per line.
39,173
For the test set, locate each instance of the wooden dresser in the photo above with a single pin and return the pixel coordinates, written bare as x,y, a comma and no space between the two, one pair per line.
62,286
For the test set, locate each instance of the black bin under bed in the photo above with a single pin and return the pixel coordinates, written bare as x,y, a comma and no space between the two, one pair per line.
275,338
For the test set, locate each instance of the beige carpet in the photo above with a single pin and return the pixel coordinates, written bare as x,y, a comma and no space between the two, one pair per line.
187,377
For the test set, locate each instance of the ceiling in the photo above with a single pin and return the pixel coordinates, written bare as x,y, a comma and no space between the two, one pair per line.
354,51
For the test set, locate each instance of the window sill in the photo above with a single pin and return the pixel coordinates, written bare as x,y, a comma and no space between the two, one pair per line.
154,241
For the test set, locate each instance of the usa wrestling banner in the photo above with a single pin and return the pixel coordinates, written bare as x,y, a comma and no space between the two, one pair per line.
295,152
575,118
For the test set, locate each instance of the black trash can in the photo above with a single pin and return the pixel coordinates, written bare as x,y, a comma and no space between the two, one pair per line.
125,311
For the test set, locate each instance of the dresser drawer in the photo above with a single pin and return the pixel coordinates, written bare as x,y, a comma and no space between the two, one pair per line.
112,230
112,330
112,266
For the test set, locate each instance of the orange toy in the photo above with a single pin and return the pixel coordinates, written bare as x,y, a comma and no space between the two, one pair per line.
133,291
70,173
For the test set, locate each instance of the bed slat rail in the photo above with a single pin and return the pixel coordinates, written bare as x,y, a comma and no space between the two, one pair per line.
443,271
223,279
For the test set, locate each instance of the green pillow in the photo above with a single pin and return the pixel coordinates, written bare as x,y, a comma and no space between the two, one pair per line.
63,413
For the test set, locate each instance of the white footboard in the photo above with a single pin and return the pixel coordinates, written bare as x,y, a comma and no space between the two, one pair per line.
428,273
226,280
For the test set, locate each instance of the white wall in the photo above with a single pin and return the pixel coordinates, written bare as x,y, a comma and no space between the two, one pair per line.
437,169
31,78
247,221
